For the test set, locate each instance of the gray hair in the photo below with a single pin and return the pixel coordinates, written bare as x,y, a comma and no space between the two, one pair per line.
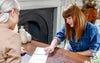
5,7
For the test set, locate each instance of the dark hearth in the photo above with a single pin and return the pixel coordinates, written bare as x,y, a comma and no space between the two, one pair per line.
39,23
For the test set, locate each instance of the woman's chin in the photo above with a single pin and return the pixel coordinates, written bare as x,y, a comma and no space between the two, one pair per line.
71,26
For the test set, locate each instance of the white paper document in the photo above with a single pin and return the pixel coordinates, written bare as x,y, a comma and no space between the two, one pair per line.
25,58
39,56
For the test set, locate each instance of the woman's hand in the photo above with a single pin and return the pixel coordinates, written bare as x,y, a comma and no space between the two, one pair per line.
49,49
23,50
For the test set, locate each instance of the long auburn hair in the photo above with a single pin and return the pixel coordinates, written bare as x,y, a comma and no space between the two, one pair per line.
79,22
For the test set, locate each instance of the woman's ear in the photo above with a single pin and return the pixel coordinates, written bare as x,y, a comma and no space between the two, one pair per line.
12,13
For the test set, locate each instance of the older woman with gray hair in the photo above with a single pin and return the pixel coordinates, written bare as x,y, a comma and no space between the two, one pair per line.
10,43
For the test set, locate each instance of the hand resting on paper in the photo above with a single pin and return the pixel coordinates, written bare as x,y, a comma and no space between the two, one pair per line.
49,49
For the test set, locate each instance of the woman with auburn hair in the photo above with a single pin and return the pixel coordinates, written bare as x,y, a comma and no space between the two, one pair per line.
82,35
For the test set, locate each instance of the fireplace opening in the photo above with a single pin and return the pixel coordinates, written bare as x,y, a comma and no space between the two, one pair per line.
39,23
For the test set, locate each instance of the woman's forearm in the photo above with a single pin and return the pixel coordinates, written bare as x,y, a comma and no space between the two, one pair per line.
54,43
86,53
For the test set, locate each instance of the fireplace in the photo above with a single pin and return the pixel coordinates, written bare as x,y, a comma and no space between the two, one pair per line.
41,18
39,23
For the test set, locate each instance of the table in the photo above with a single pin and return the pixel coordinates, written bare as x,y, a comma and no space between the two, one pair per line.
58,56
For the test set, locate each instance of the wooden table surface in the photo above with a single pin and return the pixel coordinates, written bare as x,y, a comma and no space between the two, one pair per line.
58,56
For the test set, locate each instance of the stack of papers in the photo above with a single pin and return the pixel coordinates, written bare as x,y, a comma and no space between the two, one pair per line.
25,58
39,56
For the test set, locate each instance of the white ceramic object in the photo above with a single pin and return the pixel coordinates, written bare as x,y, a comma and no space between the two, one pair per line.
23,35
29,37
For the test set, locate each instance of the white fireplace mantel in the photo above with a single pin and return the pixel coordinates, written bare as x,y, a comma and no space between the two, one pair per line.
35,4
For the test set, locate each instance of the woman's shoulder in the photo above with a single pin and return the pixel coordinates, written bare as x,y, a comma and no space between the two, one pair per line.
92,29
13,35
9,38
6,34
91,26
10,32
12,39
